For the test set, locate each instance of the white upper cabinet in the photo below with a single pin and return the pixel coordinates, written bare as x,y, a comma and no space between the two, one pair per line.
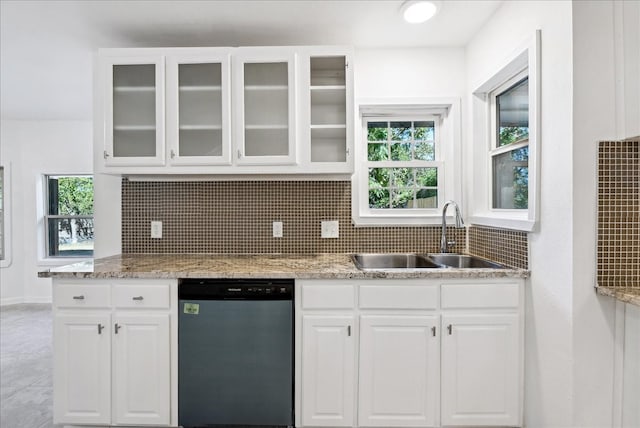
258,110
264,96
327,108
133,110
198,109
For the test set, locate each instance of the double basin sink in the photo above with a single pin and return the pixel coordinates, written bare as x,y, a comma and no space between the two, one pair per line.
421,261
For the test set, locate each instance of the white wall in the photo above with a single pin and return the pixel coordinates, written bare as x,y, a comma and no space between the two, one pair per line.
35,148
411,73
549,350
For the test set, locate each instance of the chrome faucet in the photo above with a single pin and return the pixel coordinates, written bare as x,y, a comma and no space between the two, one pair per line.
444,244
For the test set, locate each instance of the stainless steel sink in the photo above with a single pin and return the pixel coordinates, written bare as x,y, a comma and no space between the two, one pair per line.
463,261
392,261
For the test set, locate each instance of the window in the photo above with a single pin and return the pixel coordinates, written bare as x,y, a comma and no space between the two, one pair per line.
510,140
405,168
505,142
401,164
69,215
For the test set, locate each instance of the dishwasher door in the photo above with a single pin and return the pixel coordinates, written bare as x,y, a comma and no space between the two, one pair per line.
235,363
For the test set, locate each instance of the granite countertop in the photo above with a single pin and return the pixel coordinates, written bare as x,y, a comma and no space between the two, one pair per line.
308,266
624,294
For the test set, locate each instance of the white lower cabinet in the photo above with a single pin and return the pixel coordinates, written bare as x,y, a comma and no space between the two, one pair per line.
113,364
141,364
398,371
429,353
82,368
328,352
480,370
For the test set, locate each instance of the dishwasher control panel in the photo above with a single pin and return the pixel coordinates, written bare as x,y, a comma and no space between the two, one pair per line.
223,289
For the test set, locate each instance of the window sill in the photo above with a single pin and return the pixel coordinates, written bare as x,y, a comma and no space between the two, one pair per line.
61,261
398,221
522,223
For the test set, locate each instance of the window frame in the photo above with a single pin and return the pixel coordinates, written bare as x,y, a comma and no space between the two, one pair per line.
525,61
46,217
5,260
445,112
495,149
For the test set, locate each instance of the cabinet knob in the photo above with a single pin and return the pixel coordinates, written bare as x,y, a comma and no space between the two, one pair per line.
116,327
78,297
100,328
449,328
137,298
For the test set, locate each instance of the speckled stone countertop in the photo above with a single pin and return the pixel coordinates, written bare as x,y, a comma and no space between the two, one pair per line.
624,294
308,266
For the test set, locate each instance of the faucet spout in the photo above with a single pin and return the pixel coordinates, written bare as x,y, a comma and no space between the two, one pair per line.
444,243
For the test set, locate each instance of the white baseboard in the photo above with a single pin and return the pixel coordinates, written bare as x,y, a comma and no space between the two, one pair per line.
11,301
17,300
46,299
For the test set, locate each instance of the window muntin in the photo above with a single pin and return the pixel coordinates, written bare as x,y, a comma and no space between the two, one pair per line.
510,141
69,216
403,173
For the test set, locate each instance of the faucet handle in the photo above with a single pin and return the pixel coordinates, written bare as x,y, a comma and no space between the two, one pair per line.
451,244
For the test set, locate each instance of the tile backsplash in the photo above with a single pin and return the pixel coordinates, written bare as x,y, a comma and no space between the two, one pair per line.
509,247
236,217
619,213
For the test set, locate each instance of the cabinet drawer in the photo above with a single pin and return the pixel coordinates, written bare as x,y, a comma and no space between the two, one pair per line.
82,296
328,296
470,296
141,296
398,297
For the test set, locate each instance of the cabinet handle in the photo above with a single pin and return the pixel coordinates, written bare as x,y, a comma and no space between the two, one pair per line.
100,328
449,328
173,154
137,298
105,154
116,327
433,331
349,330
78,297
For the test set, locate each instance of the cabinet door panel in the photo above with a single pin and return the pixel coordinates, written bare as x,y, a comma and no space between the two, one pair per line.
82,369
480,370
398,371
198,109
141,357
265,109
134,110
328,361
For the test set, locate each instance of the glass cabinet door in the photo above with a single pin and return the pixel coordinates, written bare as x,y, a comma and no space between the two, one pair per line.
134,114
198,104
266,122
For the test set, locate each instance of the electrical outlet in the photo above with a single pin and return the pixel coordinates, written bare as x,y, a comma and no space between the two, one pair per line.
277,229
156,229
329,229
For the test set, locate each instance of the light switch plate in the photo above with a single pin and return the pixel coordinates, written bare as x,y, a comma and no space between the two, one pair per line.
156,229
277,229
329,229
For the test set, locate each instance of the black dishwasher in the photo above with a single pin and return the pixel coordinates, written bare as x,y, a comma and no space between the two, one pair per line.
235,352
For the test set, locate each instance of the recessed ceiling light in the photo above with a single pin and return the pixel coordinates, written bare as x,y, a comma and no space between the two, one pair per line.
417,12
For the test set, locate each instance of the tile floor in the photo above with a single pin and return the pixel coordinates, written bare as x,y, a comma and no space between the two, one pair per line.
26,378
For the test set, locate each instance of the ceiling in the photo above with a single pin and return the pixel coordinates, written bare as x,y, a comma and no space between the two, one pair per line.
46,46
